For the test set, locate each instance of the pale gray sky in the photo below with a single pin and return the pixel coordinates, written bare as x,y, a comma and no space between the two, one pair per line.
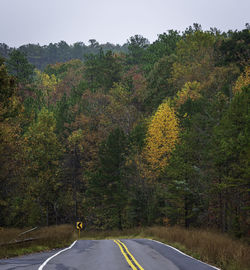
114,21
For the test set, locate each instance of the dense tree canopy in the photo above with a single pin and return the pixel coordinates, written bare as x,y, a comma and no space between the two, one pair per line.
132,135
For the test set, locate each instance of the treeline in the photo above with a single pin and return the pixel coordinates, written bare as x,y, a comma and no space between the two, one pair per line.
41,56
159,135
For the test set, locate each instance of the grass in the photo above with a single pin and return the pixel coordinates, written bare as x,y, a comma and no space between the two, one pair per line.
112,234
46,238
211,247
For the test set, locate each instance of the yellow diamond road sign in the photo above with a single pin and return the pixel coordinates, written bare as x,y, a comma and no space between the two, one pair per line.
79,225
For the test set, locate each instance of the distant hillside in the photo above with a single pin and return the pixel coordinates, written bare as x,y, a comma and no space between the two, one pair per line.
41,56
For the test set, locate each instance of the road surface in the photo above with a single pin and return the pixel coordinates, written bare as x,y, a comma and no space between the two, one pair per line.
123,254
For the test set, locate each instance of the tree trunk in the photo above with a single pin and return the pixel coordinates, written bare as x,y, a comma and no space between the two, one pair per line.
75,187
47,214
186,212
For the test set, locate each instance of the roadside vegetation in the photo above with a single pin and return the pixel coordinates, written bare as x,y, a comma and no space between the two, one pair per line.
14,243
152,134
158,135
211,247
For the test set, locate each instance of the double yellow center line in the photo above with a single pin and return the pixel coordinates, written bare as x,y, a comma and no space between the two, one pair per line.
128,256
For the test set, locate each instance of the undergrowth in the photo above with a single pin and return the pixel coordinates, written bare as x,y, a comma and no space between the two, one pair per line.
41,239
212,247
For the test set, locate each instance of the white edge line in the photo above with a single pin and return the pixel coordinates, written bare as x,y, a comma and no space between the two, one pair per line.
41,266
184,254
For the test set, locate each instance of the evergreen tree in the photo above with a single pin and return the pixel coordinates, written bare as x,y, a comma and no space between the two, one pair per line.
18,66
232,149
106,188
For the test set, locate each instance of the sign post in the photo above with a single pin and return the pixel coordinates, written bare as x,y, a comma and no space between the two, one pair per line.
79,227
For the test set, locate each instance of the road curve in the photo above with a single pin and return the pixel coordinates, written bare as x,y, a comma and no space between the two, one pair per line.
123,254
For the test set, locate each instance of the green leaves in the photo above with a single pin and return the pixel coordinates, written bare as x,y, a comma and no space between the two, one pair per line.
102,70
42,154
232,156
18,66
160,134
106,188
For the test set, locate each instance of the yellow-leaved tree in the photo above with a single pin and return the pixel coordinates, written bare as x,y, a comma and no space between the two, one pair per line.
46,86
242,81
162,136
191,90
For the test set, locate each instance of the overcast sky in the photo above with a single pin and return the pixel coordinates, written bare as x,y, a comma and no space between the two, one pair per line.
114,21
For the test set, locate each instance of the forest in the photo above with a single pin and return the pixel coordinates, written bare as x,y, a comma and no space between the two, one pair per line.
41,56
128,136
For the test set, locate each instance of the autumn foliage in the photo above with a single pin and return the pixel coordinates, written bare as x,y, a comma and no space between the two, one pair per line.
242,81
161,138
146,134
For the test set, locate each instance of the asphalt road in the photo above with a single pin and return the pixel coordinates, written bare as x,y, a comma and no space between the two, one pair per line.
127,254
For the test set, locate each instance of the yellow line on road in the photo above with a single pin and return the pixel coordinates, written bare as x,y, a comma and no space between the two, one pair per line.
131,261
135,261
126,257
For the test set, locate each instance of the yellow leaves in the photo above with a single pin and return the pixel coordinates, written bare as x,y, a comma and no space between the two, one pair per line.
76,139
118,93
47,84
189,90
162,137
243,80
45,80
121,111
195,58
